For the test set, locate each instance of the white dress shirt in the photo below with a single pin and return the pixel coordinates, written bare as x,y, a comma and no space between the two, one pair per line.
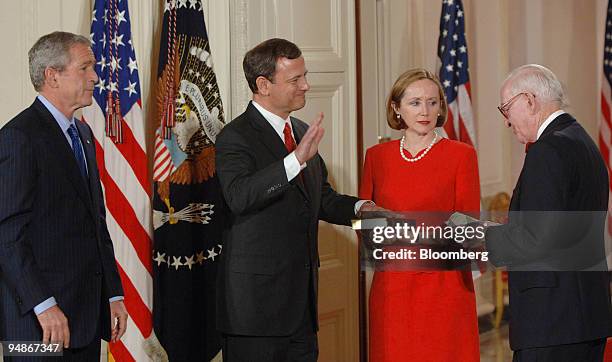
292,165
548,121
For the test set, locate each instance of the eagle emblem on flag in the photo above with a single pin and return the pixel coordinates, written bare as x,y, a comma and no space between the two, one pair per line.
198,114
189,213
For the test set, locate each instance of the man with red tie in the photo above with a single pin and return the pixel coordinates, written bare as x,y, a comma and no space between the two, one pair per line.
275,184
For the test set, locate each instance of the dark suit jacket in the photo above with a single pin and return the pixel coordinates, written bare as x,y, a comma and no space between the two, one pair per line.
53,235
270,260
563,171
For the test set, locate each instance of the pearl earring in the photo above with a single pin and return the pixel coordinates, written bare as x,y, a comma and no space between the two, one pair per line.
398,116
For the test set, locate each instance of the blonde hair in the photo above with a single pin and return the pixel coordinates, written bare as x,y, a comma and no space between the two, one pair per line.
397,92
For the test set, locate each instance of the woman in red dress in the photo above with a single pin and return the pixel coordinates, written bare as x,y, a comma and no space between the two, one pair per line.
421,315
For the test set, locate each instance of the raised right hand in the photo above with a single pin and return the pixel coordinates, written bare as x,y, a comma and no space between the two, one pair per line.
309,144
55,326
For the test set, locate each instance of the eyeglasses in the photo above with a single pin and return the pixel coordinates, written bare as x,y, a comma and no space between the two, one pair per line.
505,108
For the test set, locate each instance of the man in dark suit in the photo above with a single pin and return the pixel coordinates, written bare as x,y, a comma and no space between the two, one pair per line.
275,184
554,315
58,278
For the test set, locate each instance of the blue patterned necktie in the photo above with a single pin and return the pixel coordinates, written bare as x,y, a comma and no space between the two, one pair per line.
77,149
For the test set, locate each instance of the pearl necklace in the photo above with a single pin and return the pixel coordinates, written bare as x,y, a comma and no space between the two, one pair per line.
415,159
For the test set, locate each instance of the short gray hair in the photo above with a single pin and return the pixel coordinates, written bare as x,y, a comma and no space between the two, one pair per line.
51,50
540,81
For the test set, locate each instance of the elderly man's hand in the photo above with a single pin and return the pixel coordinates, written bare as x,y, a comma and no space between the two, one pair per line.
370,206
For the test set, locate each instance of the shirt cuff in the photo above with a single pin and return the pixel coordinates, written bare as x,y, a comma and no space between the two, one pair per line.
116,299
292,166
360,203
48,303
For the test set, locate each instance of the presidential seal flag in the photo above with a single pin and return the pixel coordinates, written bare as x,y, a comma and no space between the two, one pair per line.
188,214
116,120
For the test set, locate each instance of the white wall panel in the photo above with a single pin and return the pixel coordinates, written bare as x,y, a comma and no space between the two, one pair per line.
21,24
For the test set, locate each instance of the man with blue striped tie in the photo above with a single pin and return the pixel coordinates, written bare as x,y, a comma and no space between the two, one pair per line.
58,278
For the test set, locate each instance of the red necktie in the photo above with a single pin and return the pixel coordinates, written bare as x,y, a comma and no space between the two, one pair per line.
290,145
289,141
527,145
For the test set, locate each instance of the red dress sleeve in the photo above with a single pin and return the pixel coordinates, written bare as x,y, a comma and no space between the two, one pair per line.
467,197
366,190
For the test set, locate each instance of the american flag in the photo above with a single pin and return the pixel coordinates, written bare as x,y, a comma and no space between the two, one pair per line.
605,131
122,160
454,73
605,122
455,78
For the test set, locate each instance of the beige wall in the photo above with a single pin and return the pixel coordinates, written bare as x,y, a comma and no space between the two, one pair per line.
21,23
24,21
565,35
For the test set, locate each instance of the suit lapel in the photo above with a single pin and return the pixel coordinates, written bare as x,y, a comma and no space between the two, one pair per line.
270,139
558,123
515,205
62,152
266,133
89,149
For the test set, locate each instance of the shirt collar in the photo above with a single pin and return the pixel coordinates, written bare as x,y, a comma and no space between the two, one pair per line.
275,121
60,118
548,121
